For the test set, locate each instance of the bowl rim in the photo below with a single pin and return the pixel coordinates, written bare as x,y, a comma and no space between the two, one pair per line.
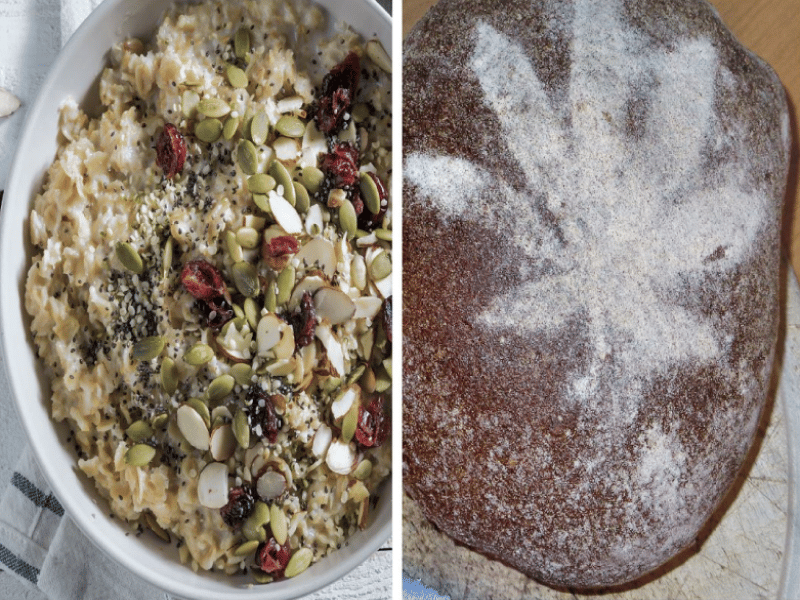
14,264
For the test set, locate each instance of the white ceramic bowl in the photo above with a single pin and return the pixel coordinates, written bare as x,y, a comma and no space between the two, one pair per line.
74,74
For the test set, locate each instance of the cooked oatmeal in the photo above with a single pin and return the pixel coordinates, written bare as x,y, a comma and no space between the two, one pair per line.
211,286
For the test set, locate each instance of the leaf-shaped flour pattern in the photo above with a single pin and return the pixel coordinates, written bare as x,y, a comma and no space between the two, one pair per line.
630,246
589,294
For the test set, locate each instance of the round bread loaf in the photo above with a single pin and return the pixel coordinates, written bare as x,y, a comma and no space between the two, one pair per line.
592,205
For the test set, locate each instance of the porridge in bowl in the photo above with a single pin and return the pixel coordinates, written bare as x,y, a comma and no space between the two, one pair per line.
211,285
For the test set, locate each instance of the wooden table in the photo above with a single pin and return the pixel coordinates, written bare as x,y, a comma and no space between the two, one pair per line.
771,29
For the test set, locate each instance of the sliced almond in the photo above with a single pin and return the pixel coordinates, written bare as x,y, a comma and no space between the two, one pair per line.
341,457
285,347
270,484
281,367
309,283
268,333
287,149
367,307
285,214
314,221
322,441
223,442
318,253
333,347
333,305
193,427
345,400
212,485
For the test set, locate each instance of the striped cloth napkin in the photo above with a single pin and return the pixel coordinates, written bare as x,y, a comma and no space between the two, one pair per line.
43,555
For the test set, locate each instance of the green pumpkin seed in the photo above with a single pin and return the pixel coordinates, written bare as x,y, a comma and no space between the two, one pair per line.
238,312
363,470
259,128
233,247
299,562
260,515
249,547
130,258
199,354
282,177
150,520
271,296
247,157
189,102
169,375
285,285
382,381
241,429
254,532
166,257
290,126
201,408
139,455
312,178
262,202
355,374
348,218
387,365
260,183
231,127
260,576
245,278
241,42
213,107
383,234
380,267
241,372
350,422
330,384
302,199
160,420
236,77
278,524
208,130
251,312
220,387
148,348
247,237
139,431
369,193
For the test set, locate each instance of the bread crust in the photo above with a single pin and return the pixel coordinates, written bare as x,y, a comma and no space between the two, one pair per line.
592,206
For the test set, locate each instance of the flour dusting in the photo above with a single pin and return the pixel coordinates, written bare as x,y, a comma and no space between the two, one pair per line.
626,232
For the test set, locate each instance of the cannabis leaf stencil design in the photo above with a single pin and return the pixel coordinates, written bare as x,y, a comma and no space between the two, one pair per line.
634,215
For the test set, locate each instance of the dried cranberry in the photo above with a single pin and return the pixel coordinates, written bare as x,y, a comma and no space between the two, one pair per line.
339,89
202,280
373,425
240,506
304,321
170,151
369,221
271,557
278,246
341,165
262,414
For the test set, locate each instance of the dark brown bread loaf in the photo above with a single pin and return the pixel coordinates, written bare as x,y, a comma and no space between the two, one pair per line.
592,203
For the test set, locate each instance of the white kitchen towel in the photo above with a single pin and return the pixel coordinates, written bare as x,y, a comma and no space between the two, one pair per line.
43,555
